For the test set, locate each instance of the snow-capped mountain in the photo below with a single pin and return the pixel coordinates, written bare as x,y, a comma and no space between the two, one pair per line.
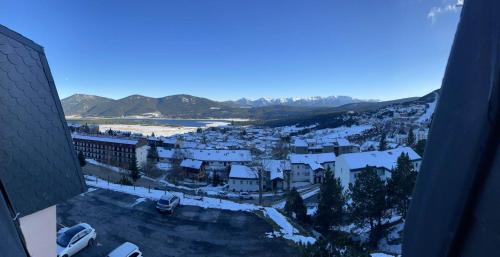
315,101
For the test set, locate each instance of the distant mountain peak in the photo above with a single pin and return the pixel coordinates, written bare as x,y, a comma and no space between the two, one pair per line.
312,101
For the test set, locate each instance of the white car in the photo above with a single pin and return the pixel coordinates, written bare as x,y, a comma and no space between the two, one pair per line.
72,240
245,196
167,203
127,249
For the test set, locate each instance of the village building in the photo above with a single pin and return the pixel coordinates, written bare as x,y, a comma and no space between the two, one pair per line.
277,174
194,169
112,150
310,167
243,178
348,165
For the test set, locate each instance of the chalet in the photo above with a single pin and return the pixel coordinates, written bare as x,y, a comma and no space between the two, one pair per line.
243,178
194,169
310,167
277,174
348,165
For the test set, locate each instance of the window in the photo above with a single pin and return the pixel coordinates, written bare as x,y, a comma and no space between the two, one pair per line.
134,254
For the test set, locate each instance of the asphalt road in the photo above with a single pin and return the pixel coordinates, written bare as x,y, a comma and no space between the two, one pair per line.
190,231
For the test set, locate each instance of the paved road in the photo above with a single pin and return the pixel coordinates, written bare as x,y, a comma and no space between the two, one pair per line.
190,231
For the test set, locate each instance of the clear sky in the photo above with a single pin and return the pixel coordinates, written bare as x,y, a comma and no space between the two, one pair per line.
227,49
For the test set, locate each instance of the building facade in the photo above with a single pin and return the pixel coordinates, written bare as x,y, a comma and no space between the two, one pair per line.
113,151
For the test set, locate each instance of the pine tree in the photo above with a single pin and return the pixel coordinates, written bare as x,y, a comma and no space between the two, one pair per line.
153,153
400,185
368,194
420,147
81,159
330,211
382,146
295,207
134,170
411,138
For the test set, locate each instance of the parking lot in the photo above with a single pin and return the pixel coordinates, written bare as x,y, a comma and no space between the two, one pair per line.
189,231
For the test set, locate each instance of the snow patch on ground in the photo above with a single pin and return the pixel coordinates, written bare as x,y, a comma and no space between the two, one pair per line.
113,168
380,255
430,110
288,231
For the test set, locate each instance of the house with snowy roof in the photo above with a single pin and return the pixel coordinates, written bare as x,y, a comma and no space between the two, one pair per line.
243,178
194,169
277,174
350,164
310,167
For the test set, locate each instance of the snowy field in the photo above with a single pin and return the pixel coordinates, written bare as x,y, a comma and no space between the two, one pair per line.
147,130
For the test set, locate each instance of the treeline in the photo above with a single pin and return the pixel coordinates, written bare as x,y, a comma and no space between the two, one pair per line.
366,206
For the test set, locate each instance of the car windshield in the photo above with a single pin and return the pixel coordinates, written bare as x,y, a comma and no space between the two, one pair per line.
164,201
65,237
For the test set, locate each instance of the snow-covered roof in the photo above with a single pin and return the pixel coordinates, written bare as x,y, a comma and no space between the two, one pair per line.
299,143
106,139
219,155
315,166
276,167
307,158
165,153
383,159
242,171
192,164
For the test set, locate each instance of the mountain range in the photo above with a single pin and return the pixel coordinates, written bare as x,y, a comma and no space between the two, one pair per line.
192,107
315,101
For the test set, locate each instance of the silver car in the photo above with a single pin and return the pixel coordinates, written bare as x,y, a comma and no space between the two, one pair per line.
167,203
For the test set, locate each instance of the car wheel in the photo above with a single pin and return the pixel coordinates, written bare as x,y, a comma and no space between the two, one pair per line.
65,255
90,242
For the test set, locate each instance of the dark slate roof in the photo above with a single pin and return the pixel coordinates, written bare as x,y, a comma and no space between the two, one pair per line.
11,244
38,165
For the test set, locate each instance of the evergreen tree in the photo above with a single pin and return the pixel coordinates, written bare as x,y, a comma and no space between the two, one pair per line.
420,147
330,211
152,134
153,153
215,179
400,185
368,194
134,170
411,138
295,207
382,146
81,159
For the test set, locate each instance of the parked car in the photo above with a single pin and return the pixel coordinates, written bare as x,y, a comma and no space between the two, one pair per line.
126,249
72,240
167,203
245,196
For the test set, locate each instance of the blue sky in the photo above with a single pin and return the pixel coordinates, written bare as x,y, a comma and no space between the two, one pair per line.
227,49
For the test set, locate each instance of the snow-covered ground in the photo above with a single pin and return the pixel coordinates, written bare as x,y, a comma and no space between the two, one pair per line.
430,110
111,167
147,130
287,230
281,204
394,234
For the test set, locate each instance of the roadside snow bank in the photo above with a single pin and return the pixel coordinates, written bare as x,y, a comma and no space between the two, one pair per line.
288,231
